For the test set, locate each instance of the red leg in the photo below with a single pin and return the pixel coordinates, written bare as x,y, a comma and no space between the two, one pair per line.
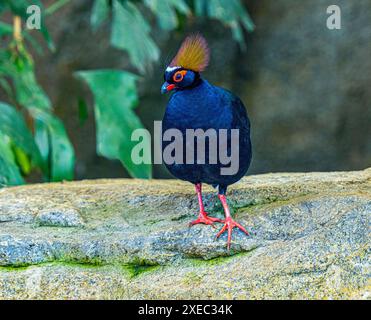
202,217
229,223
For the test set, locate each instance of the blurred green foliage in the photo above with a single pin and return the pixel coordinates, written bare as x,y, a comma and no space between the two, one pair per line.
115,117
32,137
41,142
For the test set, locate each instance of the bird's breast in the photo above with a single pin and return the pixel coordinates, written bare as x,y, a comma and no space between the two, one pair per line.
192,109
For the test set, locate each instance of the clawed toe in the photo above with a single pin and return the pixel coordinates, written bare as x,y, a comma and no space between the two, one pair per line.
229,224
205,219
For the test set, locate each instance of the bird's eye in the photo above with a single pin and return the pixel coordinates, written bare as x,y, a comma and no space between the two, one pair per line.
179,75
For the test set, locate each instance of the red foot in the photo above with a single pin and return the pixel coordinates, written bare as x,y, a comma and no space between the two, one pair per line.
229,224
204,219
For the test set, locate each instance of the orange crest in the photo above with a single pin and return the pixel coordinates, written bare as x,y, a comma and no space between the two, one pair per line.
193,54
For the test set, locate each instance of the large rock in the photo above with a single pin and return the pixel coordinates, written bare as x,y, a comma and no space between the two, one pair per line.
129,239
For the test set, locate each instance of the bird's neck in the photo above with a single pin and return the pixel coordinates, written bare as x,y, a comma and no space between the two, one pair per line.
196,82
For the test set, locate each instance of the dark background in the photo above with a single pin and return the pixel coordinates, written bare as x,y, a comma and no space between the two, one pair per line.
306,88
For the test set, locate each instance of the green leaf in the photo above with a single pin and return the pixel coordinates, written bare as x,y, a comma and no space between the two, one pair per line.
56,150
28,92
99,14
231,12
200,7
130,32
55,6
17,64
246,20
115,98
55,147
22,160
42,141
83,111
13,125
7,68
165,10
19,7
9,171
5,29
5,85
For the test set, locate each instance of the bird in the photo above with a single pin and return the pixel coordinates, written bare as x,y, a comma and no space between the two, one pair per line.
195,104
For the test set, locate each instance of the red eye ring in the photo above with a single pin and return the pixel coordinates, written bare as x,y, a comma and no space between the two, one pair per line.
180,73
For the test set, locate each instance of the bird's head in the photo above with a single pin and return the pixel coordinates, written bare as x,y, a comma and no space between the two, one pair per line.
184,70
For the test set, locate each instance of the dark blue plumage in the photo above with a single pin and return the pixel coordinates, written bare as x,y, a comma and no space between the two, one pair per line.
206,106
197,104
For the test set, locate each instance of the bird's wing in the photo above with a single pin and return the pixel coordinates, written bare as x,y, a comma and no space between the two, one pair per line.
240,118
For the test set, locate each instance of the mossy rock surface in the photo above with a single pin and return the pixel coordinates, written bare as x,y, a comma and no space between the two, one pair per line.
129,239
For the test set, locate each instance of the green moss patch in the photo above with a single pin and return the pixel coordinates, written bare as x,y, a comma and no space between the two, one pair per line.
136,270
